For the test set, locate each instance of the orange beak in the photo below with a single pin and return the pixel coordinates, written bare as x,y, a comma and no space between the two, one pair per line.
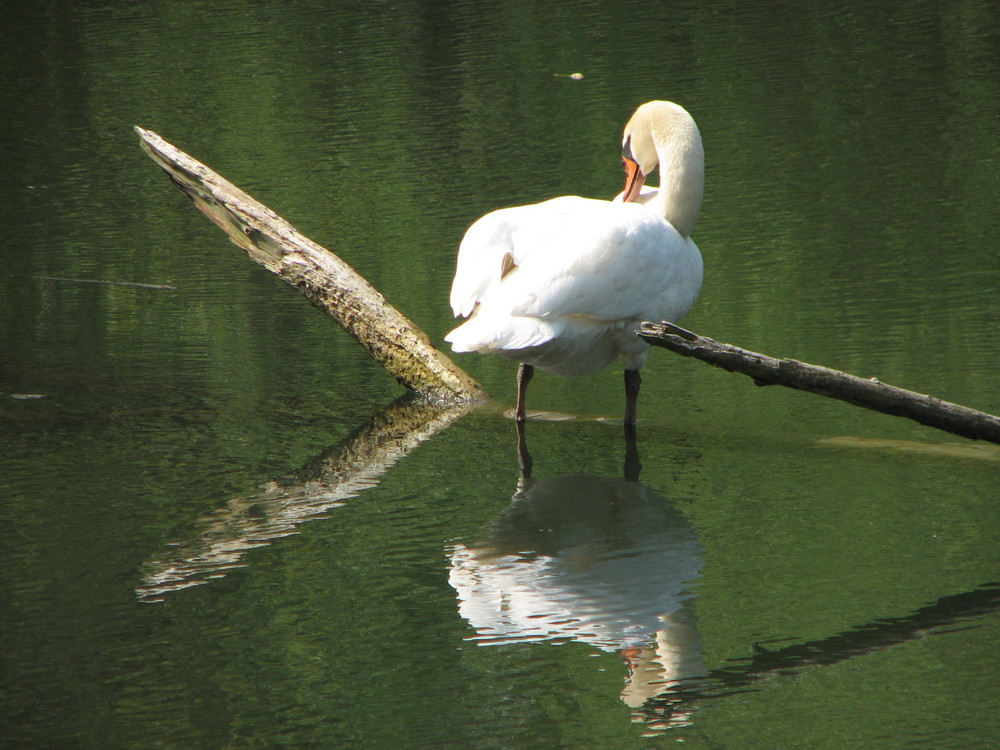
634,179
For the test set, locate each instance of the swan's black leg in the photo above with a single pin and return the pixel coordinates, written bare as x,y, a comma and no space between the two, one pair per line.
524,375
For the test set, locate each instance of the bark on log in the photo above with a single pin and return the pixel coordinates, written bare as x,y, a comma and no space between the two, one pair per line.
327,282
868,393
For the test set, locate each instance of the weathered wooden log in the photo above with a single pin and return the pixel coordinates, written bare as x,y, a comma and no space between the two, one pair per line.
868,393
327,282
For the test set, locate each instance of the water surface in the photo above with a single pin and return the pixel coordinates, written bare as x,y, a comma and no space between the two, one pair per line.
221,528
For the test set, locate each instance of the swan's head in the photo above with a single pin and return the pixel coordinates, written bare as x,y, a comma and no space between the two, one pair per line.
639,157
664,134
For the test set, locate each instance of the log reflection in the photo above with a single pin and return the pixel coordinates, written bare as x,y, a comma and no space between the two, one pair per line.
223,537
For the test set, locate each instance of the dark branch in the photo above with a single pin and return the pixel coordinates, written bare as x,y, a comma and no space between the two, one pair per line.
868,393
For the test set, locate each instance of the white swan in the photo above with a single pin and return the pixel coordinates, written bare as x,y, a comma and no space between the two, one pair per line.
562,285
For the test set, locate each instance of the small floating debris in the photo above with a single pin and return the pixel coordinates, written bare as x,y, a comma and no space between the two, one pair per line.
542,416
572,76
103,281
27,396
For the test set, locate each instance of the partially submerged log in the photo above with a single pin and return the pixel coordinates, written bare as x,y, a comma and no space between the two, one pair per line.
326,281
868,393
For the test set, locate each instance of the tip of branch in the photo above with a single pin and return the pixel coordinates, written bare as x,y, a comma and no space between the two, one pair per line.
666,328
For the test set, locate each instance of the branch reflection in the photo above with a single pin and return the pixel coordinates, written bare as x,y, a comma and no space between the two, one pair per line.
740,675
223,537
602,561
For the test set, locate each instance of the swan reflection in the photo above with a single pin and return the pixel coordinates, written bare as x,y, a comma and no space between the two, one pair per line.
602,561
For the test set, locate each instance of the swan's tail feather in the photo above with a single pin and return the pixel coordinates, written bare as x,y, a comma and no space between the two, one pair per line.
484,335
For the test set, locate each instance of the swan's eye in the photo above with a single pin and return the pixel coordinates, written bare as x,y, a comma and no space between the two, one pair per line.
627,149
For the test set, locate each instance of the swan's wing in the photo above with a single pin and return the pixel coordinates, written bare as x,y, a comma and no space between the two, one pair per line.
484,258
527,271
603,261
502,240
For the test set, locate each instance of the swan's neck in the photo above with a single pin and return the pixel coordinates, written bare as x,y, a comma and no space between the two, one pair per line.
682,178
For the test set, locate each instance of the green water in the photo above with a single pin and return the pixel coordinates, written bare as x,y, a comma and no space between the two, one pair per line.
207,543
